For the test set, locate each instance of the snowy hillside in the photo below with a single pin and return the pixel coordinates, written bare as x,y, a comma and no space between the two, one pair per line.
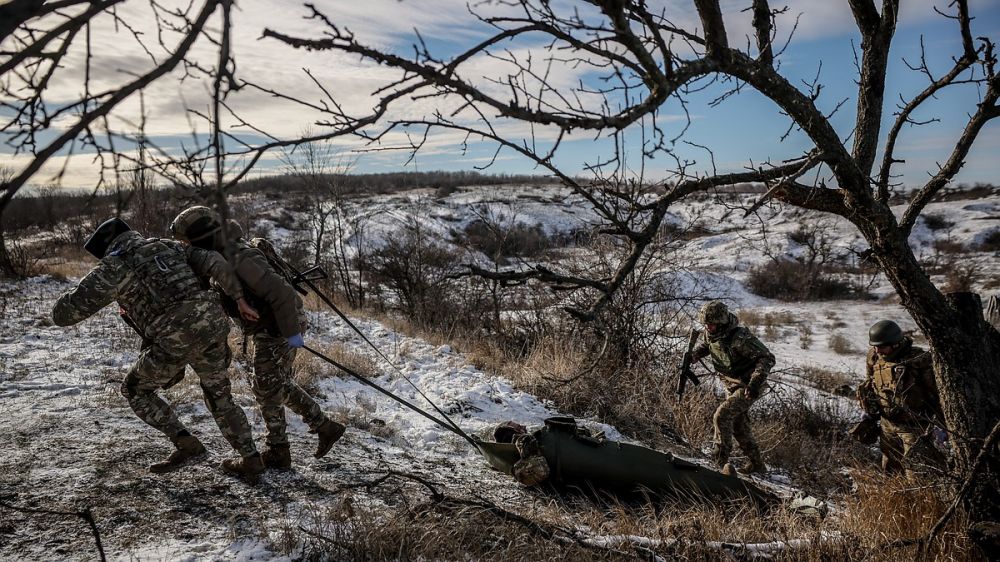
70,440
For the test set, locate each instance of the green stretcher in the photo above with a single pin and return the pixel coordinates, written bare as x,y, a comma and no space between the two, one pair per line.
577,459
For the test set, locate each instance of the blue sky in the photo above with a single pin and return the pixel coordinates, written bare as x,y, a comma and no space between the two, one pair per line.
745,128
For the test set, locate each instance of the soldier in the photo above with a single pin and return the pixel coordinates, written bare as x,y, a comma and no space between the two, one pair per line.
276,335
743,363
899,393
181,323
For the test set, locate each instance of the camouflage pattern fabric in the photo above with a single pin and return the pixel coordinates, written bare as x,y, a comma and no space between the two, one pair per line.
732,420
739,358
909,450
531,471
900,388
199,341
181,323
274,388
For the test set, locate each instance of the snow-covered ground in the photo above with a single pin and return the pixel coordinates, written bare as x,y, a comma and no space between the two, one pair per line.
70,441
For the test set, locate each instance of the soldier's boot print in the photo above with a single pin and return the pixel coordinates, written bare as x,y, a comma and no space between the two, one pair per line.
754,463
329,432
188,450
247,468
278,457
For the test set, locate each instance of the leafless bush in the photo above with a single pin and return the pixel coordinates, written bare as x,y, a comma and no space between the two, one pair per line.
795,281
841,345
962,277
991,242
936,222
413,274
829,380
499,242
947,246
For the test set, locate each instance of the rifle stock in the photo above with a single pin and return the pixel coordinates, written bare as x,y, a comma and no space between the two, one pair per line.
685,373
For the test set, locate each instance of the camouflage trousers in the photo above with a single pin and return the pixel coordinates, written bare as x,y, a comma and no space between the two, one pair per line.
732,420
906,448
161,365
275,388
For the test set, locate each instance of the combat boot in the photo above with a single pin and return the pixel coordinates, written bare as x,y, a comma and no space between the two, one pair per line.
754,464
247,468
329,433
720,456
277,456
188,449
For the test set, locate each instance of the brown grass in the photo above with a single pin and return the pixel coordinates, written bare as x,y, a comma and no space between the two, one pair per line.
66,262
865,527
308,369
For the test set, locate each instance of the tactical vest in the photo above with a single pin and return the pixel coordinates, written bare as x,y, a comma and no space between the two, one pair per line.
160,279
727,360
899,384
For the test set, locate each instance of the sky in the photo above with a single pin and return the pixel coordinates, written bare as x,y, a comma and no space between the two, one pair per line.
743,130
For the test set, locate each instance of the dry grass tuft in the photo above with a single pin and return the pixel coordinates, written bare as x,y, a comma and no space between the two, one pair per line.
66,262
309,369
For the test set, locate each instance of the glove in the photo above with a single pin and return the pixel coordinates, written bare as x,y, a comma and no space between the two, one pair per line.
296,341
940,436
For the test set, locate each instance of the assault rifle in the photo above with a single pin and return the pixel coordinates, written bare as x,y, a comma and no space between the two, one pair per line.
131,323
685,373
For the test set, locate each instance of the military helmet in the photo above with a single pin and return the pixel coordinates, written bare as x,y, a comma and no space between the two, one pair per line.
885,332
196,223
99,241
714,312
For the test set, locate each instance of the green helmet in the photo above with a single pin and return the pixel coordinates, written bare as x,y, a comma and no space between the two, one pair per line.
885,332
714,312
196,223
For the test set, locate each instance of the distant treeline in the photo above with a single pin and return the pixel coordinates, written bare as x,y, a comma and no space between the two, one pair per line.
48,207
391,182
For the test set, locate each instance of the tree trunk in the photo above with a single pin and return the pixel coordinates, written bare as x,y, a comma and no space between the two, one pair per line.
7,268
967,366
966,353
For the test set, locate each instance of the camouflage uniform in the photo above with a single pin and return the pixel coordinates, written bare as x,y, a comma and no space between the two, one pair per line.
281,317
899,389
743,363
180,322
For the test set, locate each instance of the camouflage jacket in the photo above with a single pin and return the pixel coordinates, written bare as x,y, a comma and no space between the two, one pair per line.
150,279
901,387
740,359
267,290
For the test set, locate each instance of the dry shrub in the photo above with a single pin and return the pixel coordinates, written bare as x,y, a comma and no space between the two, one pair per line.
991,242
961,277
66,262
884,509
790,280
841,345
936,221
950,247
829,380
309,369
808,439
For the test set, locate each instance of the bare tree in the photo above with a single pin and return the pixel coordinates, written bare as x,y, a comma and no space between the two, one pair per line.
641,59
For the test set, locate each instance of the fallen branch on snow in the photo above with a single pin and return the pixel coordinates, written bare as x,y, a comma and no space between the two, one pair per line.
84,514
